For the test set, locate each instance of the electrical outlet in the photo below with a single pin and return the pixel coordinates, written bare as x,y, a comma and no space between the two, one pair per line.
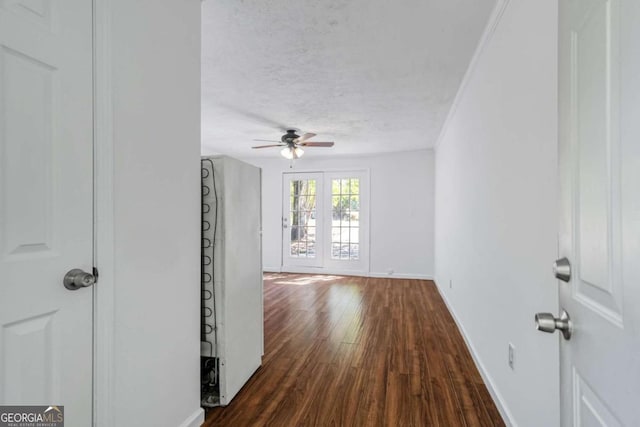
512,355
450,284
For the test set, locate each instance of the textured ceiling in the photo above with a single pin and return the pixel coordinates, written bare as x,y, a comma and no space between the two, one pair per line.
372,75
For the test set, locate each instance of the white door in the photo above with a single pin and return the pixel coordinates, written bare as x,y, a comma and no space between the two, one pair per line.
326,221
302,225
46,168
599,52
347,221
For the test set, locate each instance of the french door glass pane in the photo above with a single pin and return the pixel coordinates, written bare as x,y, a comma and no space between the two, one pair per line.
302,209
345,219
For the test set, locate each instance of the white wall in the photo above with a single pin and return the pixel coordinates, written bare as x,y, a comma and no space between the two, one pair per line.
401,210
156,130
496,210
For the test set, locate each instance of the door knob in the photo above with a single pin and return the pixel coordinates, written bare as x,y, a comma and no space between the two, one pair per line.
545,322
76,279
562,269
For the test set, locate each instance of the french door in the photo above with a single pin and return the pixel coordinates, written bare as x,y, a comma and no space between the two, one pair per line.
301,227
325,221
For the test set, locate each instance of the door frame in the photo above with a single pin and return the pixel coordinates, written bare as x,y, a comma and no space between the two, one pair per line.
365,247
104,245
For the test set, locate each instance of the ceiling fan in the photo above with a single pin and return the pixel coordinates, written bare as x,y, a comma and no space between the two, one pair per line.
292,143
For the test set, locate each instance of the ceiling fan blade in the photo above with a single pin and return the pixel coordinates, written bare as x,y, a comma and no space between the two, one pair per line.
316,144
271,145
267,140
304,137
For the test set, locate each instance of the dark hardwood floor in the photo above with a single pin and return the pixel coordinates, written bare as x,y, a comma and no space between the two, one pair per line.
355,351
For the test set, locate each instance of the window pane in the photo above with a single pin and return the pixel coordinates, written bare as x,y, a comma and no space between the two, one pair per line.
350,187
311,241
344,219
354,203
354,235
335,202
339,250
344,251
294,242
335,250
354,252
310,234
311,187
295,219
302,247
355,186
335,186
335,217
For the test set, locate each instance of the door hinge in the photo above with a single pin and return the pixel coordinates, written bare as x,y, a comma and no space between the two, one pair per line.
95,273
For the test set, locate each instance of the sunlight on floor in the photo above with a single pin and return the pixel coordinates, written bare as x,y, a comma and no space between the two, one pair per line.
287,279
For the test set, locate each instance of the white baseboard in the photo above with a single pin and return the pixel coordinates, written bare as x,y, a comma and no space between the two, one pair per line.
401,276
486,377
319,270
311,270
194,420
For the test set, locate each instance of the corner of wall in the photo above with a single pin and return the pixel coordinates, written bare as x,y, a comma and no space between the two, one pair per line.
194,420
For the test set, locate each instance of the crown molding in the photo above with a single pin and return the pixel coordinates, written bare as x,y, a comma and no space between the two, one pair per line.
487,36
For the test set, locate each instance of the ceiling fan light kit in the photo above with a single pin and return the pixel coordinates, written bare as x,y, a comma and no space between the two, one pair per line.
291,152
292,143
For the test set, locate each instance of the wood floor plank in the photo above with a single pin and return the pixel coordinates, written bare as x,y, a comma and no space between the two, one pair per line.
354,351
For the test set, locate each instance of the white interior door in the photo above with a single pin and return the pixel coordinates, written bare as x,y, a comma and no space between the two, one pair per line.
599,47
302,222
46,168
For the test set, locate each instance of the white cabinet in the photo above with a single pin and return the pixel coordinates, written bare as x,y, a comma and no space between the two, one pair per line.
232,311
